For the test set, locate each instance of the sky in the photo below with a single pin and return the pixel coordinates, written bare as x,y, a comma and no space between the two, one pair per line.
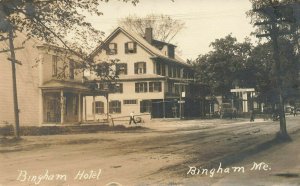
205,20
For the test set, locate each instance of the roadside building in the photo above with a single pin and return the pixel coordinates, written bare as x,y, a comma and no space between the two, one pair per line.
27,82
152,79
54,89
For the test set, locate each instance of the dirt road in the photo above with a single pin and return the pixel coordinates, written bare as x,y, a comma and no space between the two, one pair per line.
160,155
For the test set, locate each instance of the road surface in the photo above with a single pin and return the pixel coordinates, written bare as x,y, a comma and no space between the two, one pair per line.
162,154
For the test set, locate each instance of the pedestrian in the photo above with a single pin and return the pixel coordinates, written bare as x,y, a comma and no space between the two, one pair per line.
132,118
251,116
295,111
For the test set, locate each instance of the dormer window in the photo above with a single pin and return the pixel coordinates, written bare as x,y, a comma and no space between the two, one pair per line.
130,47
112,49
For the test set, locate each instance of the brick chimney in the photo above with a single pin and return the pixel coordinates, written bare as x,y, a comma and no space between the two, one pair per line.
149,35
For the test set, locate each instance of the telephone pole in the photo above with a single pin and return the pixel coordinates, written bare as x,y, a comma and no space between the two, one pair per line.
15,94
13,60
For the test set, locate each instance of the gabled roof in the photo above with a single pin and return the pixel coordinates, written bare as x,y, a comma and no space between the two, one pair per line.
152,50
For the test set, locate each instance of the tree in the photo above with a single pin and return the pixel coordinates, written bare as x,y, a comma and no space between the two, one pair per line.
261,66
275,18
221,68
164,27
57,22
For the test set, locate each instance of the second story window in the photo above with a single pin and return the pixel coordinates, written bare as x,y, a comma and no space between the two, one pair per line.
121,69
141,87
140,68
154,86
54,65
117,88
112,49
130,47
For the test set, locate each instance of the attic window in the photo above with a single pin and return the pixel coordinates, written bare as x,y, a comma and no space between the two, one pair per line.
112,49
130,47
140,68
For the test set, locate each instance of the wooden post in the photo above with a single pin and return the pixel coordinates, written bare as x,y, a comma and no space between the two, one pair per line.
15,94
79,108
85,119
62,105
94,108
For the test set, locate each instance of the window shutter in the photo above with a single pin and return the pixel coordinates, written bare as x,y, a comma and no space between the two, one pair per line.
110,106
134,47
159,85
145,87
144,68
121,88
115,48
137,87
119,104
125,68
126,48
118,69
136,68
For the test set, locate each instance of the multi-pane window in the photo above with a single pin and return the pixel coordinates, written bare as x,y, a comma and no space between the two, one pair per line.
174,72
130,102
121,69
154,86
99,107
140,68
115,106
158,68
54,65
177,89
145,106
130,47
178,72
112,49
163,69
171,87
170,71
141,87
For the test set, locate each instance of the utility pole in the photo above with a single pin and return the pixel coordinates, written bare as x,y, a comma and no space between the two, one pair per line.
13,60
181,115
15,94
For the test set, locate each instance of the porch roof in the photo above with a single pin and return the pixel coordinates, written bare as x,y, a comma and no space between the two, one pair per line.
62,85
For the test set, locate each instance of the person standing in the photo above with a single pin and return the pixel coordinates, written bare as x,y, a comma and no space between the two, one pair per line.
251,116
132,118
295,111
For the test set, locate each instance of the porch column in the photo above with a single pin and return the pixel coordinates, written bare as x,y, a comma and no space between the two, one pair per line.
245,102
94,108
79,108
62,105
41,107
85,119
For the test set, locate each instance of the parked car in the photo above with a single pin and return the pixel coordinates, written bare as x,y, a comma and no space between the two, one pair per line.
227,110
289,109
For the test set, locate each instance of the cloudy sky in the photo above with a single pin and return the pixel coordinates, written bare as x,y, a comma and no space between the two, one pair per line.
206,20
